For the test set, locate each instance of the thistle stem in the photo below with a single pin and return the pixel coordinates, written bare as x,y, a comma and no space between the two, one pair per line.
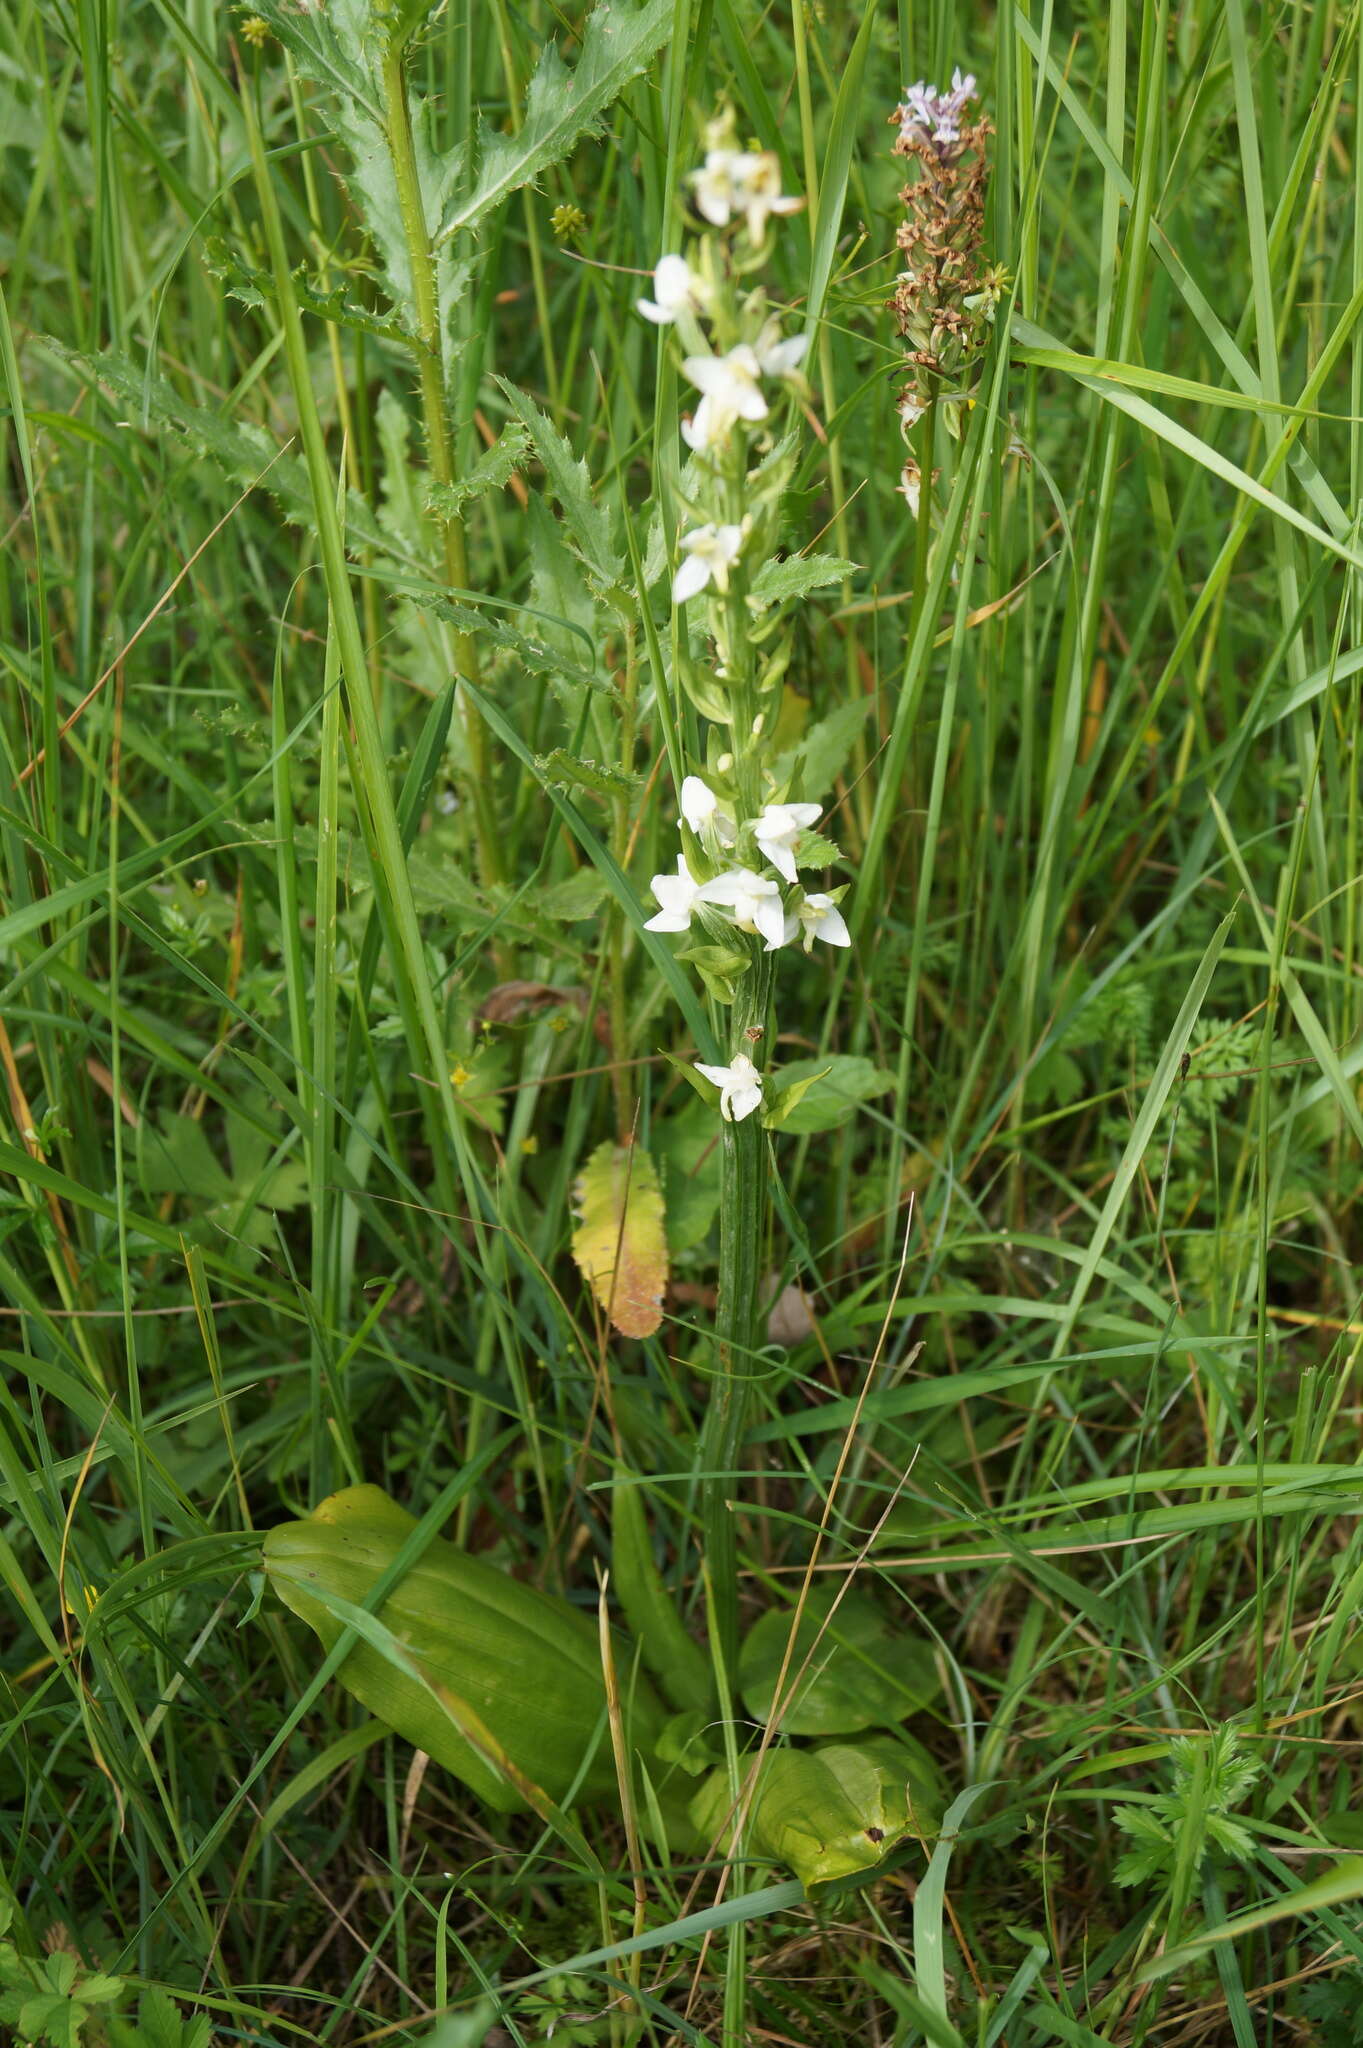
439,438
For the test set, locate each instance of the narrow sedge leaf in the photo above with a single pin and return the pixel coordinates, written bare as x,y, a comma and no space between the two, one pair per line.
562,106
620,1244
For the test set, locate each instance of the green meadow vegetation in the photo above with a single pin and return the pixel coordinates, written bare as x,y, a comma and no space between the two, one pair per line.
700,969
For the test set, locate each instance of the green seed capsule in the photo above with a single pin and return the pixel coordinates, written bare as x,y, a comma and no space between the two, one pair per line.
520,1664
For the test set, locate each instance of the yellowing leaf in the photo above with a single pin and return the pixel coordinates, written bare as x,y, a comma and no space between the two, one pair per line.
619,1244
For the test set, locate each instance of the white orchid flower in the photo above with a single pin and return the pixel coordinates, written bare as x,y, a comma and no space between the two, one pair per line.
777,357
677,289
729,390
704,813
739,1085
711,552
719,183
760,192
777,830
677,894
753,902
818,917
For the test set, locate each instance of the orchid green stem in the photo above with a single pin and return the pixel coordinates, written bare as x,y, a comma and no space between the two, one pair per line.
744,1202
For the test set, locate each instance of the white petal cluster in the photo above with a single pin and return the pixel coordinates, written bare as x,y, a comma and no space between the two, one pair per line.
704,812
740,1087
711,552
818,917
678,895
752,901
730,390
778,357
734,182
777,830
677,289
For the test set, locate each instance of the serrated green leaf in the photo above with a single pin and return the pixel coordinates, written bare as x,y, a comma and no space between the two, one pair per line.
569,901
341,47
587,523
573,771
620,1242
546,661
158,2018
561,106
244,451
795,577
812,850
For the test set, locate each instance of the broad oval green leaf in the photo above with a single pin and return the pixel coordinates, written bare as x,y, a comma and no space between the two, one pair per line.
831,1813
519,1663
865,1670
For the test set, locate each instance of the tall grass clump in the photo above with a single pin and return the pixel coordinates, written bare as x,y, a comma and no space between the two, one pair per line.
681,1007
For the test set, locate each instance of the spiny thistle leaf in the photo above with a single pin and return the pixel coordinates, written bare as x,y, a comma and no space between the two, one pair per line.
492,471
588,524
562,106
244,450
341,48
796,577
619,1244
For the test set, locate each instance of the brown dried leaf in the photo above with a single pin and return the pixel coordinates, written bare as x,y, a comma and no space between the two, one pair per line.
620,1244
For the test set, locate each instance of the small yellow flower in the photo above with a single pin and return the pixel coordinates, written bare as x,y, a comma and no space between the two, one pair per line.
530,1146
460,1074
255,30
